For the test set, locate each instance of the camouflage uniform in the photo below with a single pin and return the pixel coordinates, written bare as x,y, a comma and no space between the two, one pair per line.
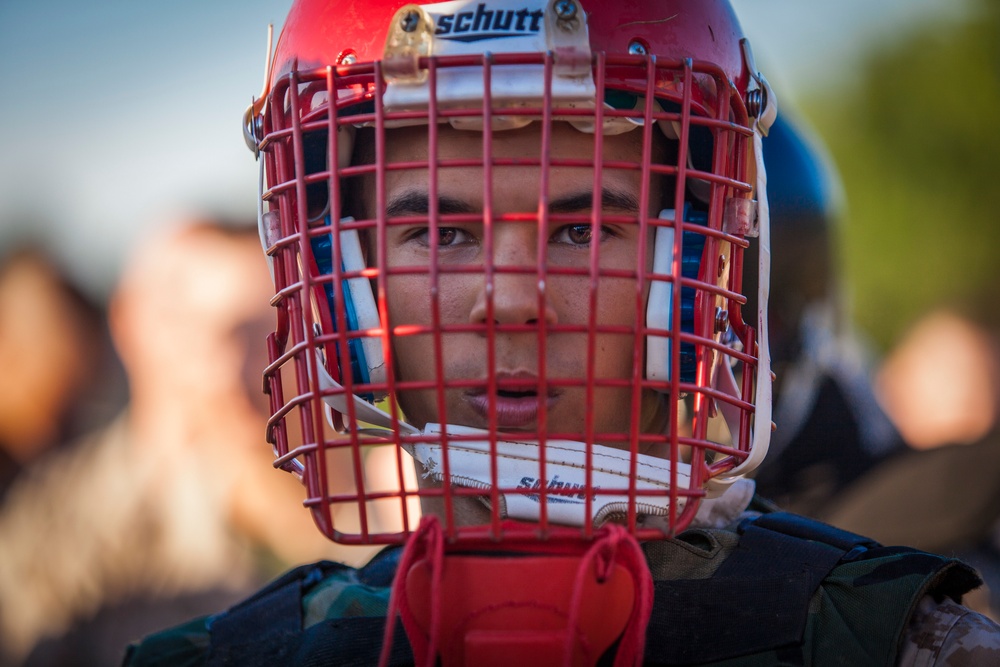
946,633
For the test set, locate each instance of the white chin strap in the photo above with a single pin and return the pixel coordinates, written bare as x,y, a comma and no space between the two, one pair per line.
470,464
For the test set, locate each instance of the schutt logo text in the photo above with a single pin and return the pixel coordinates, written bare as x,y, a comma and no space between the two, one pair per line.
472,26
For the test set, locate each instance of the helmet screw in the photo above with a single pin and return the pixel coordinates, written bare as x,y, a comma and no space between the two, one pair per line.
721,320
410,21
637,48
755,102
565,9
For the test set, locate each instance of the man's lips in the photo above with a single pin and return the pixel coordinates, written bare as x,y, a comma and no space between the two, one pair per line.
516,402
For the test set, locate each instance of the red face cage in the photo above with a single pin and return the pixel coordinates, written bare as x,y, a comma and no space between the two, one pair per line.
622,393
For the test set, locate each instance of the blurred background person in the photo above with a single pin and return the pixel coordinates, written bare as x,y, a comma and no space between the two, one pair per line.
905,450
919,258
830,429
171,509
942,386
61,377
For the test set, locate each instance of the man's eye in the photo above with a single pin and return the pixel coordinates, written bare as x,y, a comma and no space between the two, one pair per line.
581,234
446,236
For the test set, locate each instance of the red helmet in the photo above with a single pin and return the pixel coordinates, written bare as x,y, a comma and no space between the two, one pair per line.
507,245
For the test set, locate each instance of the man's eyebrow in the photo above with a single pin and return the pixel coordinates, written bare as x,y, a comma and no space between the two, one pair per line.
610,198
414,202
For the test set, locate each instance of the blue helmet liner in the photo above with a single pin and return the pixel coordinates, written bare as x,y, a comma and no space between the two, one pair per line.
693,247
322,248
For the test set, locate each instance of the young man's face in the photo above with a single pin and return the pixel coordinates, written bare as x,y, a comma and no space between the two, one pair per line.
516,244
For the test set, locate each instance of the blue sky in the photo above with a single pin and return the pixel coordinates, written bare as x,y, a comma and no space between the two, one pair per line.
122,115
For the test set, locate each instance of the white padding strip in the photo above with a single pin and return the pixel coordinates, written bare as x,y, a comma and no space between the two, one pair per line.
762,415
565,475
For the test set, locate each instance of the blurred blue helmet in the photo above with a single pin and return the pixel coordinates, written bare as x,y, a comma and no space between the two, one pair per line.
805,199
803,188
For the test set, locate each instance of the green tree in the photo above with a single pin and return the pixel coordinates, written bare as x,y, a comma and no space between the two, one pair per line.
918,145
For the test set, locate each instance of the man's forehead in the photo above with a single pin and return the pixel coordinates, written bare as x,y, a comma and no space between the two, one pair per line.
523,141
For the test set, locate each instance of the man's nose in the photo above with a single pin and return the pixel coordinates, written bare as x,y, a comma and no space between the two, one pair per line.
517,288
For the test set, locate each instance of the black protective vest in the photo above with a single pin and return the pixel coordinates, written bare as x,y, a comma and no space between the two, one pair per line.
793,592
